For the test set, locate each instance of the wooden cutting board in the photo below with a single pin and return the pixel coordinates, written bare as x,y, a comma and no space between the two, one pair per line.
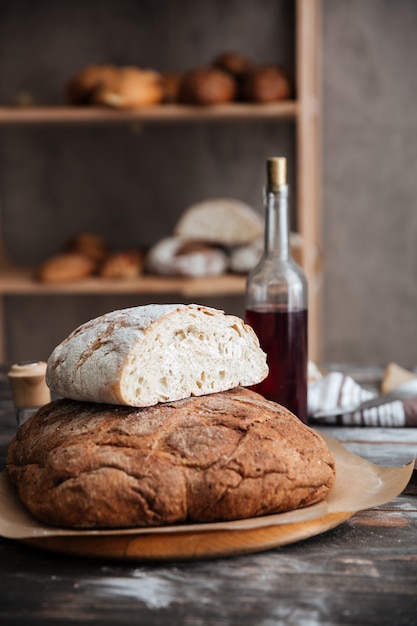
188,545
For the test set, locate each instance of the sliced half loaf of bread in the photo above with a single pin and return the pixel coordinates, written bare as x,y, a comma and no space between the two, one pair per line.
156,353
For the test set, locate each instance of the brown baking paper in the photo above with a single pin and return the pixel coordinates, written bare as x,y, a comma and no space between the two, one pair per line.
359,485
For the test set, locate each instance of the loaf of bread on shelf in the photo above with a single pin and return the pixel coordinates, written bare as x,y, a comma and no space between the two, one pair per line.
130,88
65,267
117,87
207,86
122,264
266,84
235,63
244,258
218,457
156,353
177,256
221,221
171,83
91,245
88,254
82,87
79,258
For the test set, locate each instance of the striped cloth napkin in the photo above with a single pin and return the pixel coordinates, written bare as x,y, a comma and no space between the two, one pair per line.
338,399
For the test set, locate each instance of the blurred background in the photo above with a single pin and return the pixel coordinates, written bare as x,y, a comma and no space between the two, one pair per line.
130,182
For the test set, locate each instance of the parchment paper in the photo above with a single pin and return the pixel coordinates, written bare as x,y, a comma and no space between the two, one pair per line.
359,485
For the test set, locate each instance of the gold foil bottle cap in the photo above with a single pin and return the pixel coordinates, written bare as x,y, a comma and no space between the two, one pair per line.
276,173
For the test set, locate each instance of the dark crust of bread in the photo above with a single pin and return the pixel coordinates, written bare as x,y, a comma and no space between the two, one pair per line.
223,456
66,266
81,88
207,85
235,63
267,83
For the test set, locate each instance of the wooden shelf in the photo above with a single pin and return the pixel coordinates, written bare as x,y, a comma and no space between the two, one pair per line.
17,281
156,114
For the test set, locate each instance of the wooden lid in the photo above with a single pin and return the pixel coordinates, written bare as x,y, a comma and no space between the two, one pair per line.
28,384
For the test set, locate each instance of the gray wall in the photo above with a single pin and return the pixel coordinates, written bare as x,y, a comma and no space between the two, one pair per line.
56,181
370,180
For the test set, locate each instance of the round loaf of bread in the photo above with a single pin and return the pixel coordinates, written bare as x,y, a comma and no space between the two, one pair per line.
123,264
81,88
267,83
171,83
131,87
221,221
244,258
223,456
176,256
65,267
91,245
235,63
156,353
207,86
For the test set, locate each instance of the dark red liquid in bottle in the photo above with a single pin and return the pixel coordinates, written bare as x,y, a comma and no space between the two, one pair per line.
283,336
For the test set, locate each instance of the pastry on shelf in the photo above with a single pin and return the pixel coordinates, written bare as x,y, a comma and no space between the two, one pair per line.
237,65
82,87
122,265
231,76
234,63
88,254
79,258
131,87
117,87
266,83
90,244
171,83
65,267
244,258
207,86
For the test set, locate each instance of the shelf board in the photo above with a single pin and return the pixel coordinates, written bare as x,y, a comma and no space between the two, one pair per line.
156,114
15,282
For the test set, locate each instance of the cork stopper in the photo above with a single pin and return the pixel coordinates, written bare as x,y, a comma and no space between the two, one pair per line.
28,384
276,173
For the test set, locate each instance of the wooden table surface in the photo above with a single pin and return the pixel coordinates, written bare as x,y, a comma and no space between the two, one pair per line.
362,572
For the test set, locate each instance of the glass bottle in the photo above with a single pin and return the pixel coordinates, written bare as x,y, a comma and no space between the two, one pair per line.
277,301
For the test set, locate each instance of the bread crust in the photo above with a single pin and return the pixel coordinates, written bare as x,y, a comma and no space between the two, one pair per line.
207,86
267,83
81,88
223,456
66,267
130,88
234,63
120,265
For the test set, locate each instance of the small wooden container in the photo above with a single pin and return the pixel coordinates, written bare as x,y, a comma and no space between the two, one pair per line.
29,388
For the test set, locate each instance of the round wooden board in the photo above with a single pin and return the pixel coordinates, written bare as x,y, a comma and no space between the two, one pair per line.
182,545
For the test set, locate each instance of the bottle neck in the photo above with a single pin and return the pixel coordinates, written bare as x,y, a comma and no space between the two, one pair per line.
277,230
